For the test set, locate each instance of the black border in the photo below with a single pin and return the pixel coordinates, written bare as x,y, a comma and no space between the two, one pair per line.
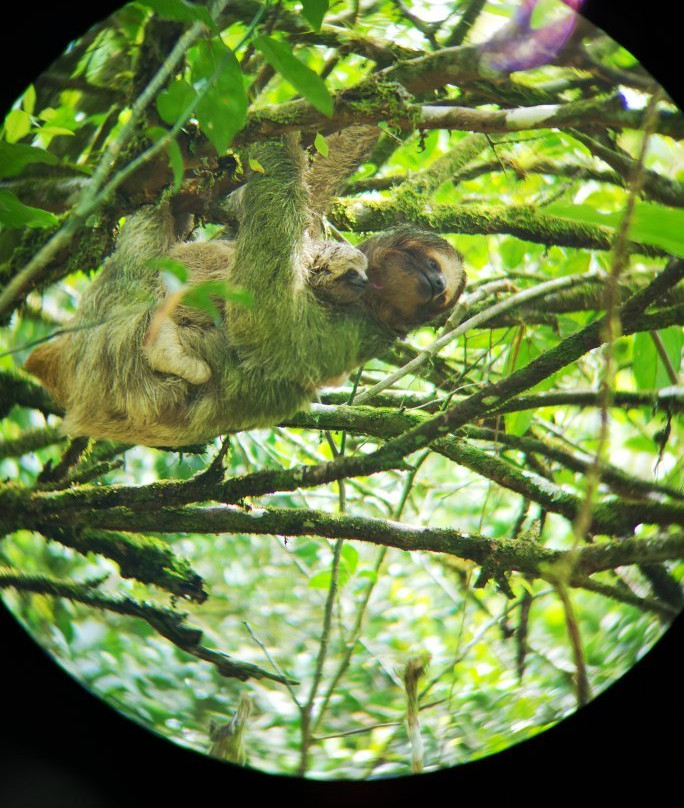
61,747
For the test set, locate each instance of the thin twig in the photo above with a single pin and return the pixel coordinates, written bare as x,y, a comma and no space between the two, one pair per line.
612,324
480,319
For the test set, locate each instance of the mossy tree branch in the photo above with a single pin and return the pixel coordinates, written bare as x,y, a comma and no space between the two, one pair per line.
169,623
667,400
501,554
522,221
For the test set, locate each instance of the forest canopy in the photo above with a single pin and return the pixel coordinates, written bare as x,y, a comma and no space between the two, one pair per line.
482,528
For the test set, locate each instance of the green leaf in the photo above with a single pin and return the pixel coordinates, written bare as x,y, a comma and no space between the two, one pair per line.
659,226
645,362
641,443
648,367
302,78
368,575
673,342
512,252
200,296
651,224
314,11
172,268
576,262
55,130
349,556
180,11
321,580
321,145
173,103
61,120
14,156
176,163
14,213
17,125
222,111
517,423
174,153
28,102
308,552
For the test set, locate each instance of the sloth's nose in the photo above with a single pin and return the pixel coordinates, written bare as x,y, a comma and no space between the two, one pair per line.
438,283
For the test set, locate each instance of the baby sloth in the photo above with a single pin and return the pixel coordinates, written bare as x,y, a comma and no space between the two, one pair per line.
319,310
334,271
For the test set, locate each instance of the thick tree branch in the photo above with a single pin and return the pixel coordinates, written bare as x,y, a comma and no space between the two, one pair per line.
501,554
300,116
145,558
667,400
526,222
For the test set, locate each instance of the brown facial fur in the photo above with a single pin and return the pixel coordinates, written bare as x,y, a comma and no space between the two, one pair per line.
413,276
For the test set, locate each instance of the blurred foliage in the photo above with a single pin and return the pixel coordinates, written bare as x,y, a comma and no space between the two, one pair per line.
502,667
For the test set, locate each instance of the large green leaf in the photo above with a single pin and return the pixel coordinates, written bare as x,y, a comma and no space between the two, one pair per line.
14,156
652,224
174,102
302,78
222,110
14,213
314,11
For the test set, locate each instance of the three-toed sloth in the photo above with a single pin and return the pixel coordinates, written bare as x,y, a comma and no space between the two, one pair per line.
319,310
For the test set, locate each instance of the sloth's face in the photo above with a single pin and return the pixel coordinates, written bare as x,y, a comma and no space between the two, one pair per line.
338,272
413,282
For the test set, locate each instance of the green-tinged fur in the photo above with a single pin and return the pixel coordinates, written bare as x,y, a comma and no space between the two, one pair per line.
266,364
263,362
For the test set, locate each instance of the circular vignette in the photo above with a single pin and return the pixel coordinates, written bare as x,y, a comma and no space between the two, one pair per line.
580,718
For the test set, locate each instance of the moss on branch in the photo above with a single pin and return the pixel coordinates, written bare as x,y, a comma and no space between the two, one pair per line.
390,423
145,558
500,554
169,623
522,221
